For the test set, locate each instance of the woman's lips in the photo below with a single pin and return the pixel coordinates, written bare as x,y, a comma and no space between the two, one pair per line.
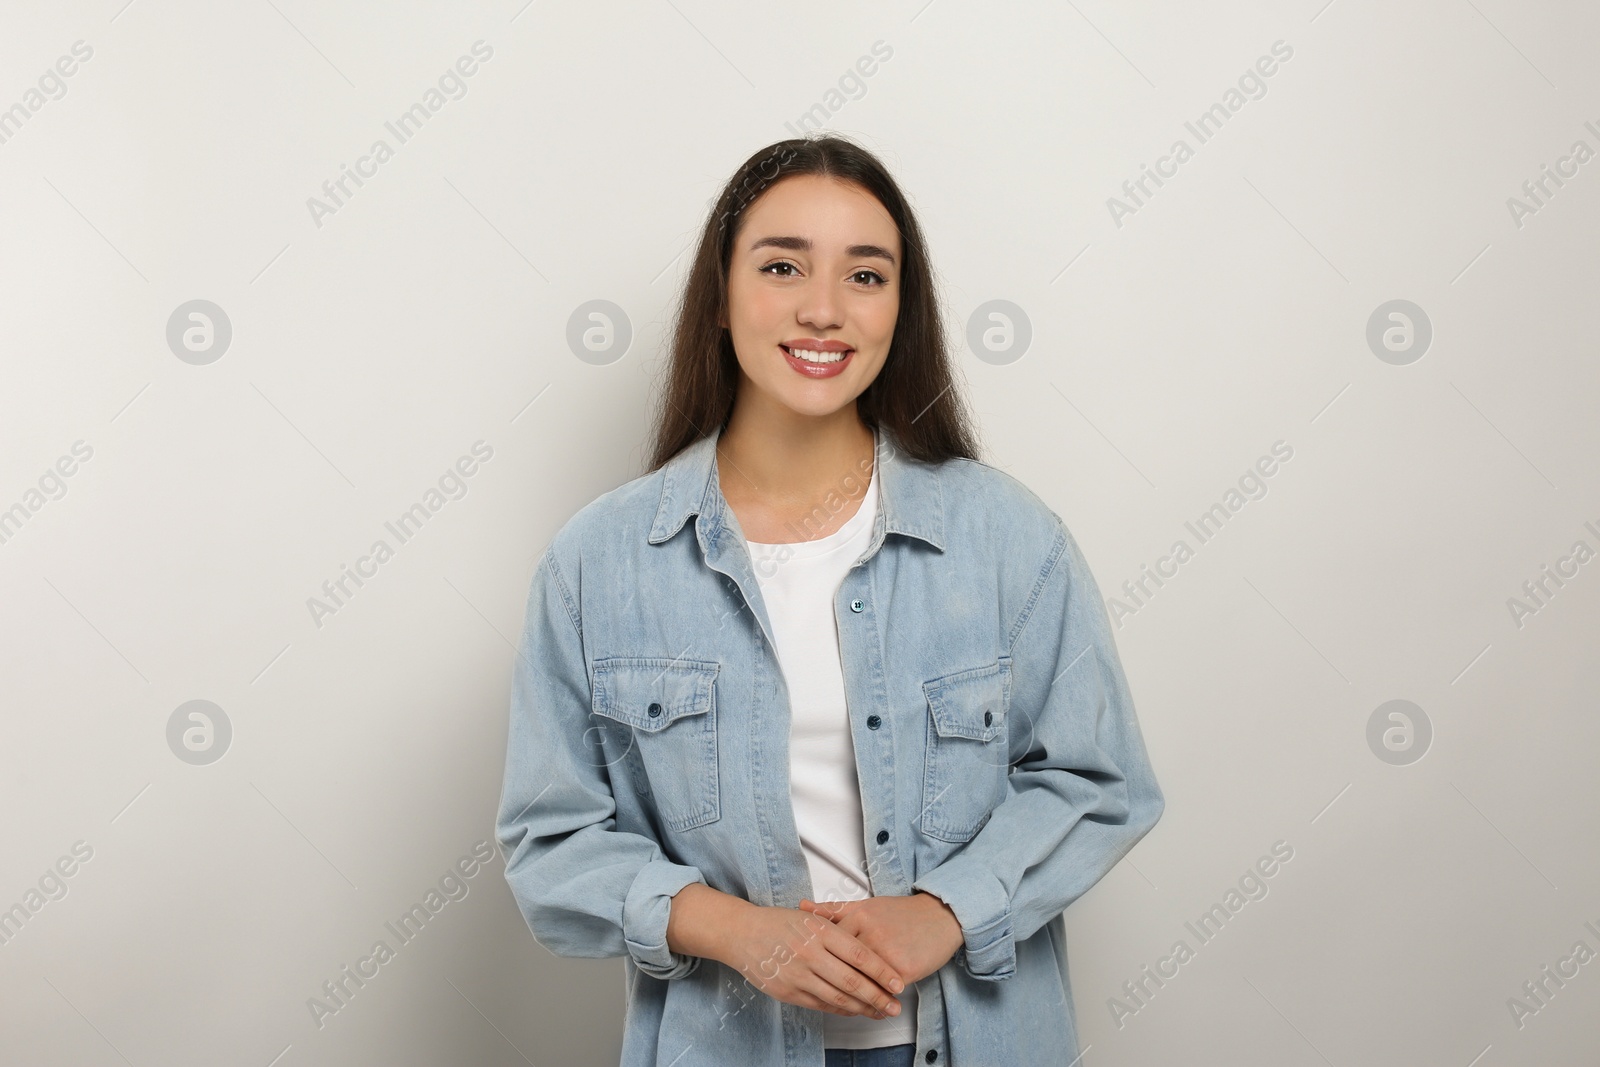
817,370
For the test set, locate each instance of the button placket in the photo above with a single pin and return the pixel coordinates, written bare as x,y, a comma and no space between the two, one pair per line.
874,721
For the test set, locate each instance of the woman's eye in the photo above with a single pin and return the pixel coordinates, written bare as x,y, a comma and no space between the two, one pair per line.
874,279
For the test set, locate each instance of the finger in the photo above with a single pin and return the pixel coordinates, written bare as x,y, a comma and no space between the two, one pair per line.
830,980
854,952
812,908
807,1000
859,971
832,909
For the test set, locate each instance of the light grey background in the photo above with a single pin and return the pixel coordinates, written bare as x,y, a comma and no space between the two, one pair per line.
1168,354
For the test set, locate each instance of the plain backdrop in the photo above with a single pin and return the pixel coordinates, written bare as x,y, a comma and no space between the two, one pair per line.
1363,262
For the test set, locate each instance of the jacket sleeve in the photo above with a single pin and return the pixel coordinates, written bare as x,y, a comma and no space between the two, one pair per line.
1082,793
584,888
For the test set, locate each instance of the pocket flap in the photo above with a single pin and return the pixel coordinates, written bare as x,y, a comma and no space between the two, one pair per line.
651,693
971,703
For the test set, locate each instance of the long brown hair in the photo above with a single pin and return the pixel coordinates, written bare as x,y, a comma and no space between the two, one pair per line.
914,396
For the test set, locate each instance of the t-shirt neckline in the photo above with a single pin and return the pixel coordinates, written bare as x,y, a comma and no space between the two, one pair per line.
852,527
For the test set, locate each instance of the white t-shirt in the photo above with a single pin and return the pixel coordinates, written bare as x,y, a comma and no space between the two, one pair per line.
798,584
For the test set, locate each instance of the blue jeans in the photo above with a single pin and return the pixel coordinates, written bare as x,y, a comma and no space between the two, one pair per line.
884,1056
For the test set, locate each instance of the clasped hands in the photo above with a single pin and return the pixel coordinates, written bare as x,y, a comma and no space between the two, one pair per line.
915,935
844,957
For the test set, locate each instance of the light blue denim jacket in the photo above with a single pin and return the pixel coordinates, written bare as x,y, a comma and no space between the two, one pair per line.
1000,762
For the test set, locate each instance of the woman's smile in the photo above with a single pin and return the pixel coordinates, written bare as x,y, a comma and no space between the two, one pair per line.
817,359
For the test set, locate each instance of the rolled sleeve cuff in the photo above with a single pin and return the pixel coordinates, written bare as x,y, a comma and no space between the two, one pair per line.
984,911
644,918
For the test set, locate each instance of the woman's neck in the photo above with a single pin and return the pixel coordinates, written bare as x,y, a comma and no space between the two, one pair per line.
778,471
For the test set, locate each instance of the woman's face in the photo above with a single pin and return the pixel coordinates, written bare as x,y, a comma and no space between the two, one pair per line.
815,260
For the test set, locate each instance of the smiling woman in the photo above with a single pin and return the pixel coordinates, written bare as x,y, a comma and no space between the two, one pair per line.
847,206
813,278
819,723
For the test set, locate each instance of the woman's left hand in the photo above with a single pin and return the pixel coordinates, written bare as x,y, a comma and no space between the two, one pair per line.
916,935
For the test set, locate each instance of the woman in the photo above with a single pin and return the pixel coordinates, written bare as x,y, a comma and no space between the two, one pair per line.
820,723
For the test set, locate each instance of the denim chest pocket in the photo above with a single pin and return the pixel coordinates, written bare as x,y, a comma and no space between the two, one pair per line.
669,706
967,755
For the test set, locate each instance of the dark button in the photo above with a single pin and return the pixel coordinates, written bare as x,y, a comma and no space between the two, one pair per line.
873,722
988,717
932,1055
654,709
883,835
858,605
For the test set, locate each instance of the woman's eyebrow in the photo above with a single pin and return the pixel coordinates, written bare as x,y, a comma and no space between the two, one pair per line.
803,244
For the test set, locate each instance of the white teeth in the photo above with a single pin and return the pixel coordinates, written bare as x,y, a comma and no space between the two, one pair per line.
811,355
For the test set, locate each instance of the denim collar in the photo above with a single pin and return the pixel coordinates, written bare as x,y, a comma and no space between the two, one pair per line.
910,497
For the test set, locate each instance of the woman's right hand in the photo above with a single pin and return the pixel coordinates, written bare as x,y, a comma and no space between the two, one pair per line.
801,958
